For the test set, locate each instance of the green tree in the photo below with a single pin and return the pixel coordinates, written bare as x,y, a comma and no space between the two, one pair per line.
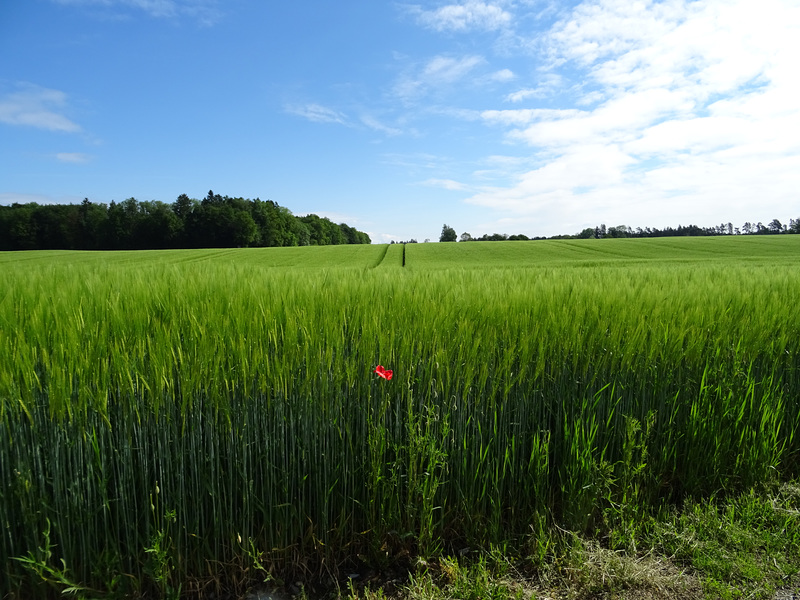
121,224
350,234
318,232
91,225
334,232
299,233
19,227
776,226
183,207
158,226
448,234
57,227
215,222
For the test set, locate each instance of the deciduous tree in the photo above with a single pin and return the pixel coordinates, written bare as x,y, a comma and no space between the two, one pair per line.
448,234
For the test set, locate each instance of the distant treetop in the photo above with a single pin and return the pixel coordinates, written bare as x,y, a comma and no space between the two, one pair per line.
448,234
623,231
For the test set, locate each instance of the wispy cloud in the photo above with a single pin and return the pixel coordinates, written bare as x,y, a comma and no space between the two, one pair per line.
549,83
317,113
34,106
502,75
464,16
446,69
499,168
206,12
421,162
73,157
523,116
447,184
377,125
439,71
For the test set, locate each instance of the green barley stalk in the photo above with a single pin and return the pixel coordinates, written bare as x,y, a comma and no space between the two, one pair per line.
243,392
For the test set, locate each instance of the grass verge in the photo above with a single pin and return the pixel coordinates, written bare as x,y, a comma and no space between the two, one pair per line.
747,546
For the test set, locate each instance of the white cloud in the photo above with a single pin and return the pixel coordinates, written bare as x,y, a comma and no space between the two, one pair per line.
34,106
438,72
73,157
447,184
462,114
465,16
497,168
524,94
549,83
317,113
682,110
502,75
619,119
591,98
377,125
445,69
584,168
523,116
383,238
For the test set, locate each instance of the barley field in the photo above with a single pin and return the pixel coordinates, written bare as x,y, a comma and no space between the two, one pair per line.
174,422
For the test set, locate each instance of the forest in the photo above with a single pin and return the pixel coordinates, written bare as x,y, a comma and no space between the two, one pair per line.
214,222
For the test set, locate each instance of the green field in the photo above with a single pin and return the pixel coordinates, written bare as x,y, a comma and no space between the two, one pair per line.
750,249
184,419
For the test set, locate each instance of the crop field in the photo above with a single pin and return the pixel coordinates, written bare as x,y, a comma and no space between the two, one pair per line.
176,421
749,249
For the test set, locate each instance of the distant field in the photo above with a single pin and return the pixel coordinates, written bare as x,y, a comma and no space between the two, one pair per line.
178,418
765,249
751,249
313,257
394,256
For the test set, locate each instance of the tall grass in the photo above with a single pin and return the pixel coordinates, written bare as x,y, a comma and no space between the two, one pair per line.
168,423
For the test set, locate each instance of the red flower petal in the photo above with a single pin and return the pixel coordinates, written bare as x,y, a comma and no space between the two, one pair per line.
385,373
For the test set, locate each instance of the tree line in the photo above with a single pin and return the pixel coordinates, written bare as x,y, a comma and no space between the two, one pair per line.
214,222
774,227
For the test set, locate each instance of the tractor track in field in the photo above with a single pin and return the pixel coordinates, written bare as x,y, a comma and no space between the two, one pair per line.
383,256
385,253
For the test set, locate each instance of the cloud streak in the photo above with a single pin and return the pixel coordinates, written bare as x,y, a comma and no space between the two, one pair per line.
34,106
73,157
440,72
317,113
379,126
446,184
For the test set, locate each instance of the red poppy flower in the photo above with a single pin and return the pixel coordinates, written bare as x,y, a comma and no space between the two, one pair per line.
385,373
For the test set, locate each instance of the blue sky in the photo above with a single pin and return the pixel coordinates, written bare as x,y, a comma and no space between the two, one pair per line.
507,116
